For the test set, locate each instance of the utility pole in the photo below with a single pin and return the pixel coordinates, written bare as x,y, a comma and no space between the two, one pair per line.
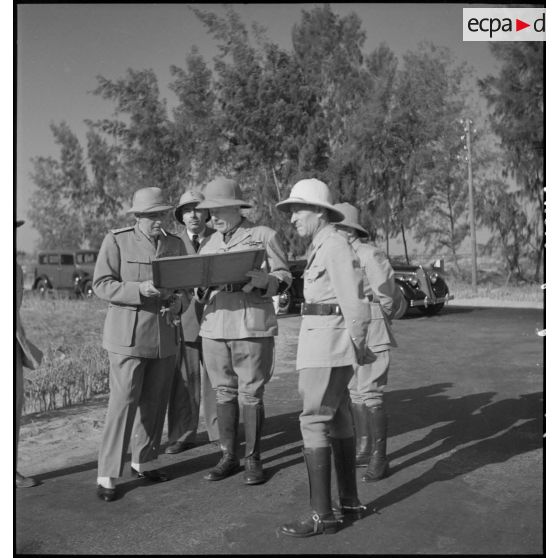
467,124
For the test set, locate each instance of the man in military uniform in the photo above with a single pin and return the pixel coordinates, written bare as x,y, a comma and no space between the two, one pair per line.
238,328
26,355
190,377
141,339
332,340
367,385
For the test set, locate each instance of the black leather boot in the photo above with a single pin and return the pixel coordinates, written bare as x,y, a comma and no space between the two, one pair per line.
345,469
362,434
253,424
378,466
322,519
227,418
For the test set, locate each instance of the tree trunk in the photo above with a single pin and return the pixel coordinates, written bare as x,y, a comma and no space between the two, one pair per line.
540,253
405,243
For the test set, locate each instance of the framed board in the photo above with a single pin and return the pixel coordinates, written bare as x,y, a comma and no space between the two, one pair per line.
206,270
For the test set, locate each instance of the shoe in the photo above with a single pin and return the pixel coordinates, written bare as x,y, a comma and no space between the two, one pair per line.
227,466
353,512
178,447
253,471
25,482
152,476
316,524
106,494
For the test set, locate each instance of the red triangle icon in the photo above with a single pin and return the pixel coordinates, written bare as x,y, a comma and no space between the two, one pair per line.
519,25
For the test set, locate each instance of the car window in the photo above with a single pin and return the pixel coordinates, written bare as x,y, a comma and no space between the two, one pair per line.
85,258
54,258
67,259
43,259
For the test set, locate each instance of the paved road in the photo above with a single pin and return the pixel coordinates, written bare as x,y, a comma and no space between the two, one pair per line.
466,421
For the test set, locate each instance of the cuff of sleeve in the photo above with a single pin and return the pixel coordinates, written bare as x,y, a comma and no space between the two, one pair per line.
272,286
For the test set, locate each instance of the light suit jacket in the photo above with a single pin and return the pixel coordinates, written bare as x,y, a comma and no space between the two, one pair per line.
191,318
31,355
333,276
134,324
241,315
380,288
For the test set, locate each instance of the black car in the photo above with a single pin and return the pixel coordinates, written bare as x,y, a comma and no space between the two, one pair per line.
421,288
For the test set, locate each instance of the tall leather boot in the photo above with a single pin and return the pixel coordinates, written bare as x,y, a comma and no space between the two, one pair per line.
378,467
322,520
362,434
227,418
253,424
345,469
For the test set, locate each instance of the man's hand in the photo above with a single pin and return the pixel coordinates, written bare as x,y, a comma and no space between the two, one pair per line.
148,290
258,280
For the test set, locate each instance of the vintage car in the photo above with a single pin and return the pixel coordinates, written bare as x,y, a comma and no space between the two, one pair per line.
421,288
66,270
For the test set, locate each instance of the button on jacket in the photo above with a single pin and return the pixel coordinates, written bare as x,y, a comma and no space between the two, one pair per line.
378,282
333,276
134,324
241,315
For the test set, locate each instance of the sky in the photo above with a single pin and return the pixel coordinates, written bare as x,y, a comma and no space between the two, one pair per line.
62,48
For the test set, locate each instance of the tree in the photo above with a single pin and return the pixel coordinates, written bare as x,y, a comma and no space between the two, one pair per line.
516,98
145,141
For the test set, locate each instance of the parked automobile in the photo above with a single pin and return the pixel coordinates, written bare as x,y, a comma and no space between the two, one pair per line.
421,288
65,270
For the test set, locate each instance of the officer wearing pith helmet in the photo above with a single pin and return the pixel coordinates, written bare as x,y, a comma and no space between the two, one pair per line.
238,328
332,340
367,385
141,339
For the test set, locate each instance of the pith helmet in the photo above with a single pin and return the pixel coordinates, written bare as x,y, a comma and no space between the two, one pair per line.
311,191
222,192
190,197
351,219
147,200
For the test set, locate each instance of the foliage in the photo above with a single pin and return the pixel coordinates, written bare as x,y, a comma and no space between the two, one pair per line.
383,133
516,98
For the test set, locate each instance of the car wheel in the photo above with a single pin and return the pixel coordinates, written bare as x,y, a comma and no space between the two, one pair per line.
42,287
403,304
285,301
88,289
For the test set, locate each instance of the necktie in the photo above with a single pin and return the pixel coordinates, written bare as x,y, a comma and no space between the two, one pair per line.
195,242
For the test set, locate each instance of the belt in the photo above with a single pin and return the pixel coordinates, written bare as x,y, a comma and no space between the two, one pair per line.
311,309
232,287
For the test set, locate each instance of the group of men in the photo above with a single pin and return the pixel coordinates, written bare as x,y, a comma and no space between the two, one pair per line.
217,344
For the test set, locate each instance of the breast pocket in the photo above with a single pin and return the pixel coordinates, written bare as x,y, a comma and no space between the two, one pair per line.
138,269
314,283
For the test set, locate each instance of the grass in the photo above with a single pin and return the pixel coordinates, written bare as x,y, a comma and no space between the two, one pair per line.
75,367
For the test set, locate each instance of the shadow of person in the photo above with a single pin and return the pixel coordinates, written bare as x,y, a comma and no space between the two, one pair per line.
467,426
413,409
496,437
516,440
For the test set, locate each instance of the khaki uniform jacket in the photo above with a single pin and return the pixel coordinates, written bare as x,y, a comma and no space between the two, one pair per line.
380,288
191,318
333,276
134,325
242,315
31,355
